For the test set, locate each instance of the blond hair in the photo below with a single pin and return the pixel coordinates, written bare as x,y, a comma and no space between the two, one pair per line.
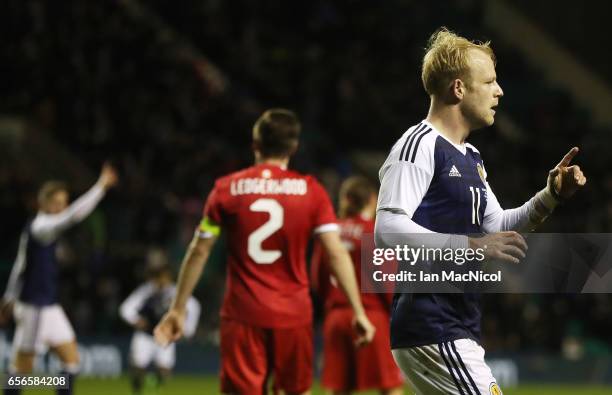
446,59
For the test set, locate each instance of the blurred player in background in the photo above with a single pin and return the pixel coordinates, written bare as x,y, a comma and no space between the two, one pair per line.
32,289
142,310
434,182
269,214
347,368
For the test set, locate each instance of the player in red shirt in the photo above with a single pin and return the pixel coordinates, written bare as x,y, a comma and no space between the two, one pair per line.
269,214
345,367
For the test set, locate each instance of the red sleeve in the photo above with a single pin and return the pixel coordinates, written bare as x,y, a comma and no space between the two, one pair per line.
212,208
323,209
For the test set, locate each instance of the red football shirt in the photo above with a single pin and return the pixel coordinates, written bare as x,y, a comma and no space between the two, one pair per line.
269,215
351,230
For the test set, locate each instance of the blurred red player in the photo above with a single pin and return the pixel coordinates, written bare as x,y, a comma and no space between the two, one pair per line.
347,368
269,214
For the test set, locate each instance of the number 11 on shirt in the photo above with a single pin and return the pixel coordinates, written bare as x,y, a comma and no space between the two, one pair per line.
475,191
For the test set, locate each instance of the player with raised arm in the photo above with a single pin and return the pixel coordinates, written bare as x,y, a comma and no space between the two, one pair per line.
347,368
143,309
32,289
434,182
269,214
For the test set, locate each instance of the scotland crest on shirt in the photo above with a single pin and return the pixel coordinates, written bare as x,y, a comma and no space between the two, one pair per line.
481,172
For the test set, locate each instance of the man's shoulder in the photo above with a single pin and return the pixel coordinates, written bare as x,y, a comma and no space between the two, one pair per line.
472,148
415,147
34,225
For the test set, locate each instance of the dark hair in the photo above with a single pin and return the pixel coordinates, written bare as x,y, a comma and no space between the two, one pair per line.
50,188
276,133
355,194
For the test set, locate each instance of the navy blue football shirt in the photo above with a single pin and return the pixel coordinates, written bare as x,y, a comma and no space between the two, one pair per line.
442,187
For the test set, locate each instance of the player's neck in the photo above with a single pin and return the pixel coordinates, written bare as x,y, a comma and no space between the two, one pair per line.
283,163
449,121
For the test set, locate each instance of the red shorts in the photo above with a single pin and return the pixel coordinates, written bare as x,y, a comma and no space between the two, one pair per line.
250,354
346,368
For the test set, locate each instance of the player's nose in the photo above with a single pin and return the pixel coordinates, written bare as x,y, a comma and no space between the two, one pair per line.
499,91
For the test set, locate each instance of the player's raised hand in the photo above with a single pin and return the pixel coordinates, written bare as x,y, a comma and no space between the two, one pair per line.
506,246
108,176
364,329
564,180
170,328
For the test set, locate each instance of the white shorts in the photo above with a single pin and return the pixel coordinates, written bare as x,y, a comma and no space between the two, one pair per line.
144,350
40,327
450,368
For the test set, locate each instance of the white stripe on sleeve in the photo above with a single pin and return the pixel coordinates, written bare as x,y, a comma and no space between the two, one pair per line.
326,228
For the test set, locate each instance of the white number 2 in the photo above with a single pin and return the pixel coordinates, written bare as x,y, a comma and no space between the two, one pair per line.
274,223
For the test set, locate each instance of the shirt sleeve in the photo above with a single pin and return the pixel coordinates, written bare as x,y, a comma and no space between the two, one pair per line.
210,226
521,219
15,283
192,317
496,219
396,228
46,228
323,211
403,186
130,307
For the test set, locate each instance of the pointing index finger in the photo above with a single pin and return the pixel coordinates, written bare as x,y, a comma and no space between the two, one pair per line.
568,157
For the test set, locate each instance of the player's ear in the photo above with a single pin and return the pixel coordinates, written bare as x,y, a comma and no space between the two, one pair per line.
457,89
